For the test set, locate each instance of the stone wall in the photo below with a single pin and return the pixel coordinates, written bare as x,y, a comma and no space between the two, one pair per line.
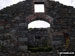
14,25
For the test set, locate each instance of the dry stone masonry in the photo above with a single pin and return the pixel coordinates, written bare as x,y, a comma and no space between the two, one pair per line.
17,40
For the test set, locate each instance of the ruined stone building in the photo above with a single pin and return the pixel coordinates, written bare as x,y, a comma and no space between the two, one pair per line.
17,40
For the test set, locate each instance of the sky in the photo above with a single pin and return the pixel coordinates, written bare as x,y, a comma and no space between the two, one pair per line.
66,2
5,3
39,24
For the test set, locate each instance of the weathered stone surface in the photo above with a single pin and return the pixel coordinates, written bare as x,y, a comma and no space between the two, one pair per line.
14,22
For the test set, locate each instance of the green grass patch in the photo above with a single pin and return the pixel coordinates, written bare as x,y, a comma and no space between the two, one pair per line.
40,49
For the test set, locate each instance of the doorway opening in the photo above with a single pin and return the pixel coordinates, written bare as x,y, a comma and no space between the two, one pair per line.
38,24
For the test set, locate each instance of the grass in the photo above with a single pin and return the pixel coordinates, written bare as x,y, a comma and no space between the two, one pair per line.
40,49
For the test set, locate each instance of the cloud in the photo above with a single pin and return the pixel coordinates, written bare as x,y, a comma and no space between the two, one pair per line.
66,2
38,24
73,3
5,3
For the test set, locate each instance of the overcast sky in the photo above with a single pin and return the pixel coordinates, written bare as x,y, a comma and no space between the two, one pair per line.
67,2
4,3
